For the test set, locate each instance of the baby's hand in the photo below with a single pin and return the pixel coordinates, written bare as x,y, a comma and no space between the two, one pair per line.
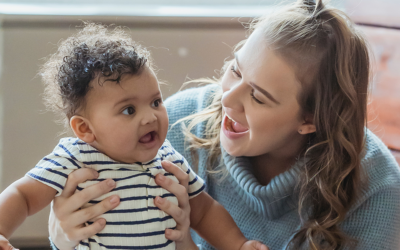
253,245
4,244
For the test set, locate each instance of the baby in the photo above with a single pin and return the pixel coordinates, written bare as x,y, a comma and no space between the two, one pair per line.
103,85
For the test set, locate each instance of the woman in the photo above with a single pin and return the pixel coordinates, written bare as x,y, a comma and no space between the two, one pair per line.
285,139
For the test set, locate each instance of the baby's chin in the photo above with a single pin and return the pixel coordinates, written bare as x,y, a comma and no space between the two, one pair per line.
139,159
136,155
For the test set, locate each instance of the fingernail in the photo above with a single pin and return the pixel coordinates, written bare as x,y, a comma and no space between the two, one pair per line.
161,177
110,182
159,200
165,162
114,200
102,222
96,174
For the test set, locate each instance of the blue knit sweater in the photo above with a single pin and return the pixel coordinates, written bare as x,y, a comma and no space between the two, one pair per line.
269,213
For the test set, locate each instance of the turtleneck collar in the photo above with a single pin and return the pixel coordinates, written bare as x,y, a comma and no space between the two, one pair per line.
270,201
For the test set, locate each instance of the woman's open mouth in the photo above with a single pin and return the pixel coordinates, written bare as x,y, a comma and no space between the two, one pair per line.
233,129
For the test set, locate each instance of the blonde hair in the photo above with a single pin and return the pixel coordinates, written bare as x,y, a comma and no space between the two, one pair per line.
331,60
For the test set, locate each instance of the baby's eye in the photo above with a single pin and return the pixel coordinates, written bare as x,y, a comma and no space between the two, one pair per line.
157,103
128,111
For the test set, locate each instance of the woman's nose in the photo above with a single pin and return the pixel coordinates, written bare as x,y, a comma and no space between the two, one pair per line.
233,96
148,117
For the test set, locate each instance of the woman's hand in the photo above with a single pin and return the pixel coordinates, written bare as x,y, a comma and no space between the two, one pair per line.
181,213
4,244
253,245
66,222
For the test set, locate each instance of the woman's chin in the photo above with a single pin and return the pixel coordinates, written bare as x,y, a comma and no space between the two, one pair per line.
230,147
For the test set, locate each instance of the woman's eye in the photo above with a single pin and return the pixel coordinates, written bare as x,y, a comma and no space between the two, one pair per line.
255,99
234,71
157,103
128,111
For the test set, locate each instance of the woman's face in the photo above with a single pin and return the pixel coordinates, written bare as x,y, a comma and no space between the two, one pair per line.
260,106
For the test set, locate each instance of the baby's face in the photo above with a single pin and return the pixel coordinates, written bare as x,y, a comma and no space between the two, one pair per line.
129,120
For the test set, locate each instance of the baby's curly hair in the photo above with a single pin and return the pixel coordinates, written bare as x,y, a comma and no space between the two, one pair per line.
94,52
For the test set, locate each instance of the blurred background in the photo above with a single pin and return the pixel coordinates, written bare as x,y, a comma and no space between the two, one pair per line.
188,39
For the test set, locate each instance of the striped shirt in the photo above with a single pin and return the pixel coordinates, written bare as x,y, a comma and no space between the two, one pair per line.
136,223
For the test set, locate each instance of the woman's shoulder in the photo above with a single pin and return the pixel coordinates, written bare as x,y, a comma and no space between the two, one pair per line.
378,162
380,170
373,219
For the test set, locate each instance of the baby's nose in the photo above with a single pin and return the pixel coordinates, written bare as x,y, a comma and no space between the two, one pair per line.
148,117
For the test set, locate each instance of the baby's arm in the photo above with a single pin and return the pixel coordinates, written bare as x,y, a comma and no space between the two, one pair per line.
213,223
24,197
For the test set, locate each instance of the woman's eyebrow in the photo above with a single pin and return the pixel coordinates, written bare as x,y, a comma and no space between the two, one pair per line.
266,93
258,88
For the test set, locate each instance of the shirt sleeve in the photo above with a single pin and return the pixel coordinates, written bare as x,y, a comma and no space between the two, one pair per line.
53,170
196,184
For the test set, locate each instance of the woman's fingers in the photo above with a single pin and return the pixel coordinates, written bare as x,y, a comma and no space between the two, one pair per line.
86,232
179,215
89,231
79,199
177,189
174,235
86,214
77,177
254,245
180,212
260,246
4,244
182,177
66,222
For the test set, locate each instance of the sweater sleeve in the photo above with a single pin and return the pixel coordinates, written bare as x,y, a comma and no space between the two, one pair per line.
375,225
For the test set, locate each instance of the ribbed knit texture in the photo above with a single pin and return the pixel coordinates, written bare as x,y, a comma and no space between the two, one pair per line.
269,213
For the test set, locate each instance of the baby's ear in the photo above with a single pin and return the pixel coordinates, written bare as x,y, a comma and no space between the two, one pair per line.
82,129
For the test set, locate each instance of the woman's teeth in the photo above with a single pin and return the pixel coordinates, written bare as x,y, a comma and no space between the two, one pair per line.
233,126
228,124
230,118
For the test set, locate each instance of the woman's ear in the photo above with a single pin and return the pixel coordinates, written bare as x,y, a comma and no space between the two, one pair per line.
82,128
308,126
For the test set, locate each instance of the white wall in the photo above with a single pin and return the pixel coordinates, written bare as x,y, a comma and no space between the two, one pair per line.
28,134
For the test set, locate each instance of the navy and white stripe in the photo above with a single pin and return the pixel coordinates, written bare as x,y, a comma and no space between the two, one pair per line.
136,223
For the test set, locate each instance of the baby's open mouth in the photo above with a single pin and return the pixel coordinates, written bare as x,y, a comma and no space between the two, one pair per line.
233,126
149,137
